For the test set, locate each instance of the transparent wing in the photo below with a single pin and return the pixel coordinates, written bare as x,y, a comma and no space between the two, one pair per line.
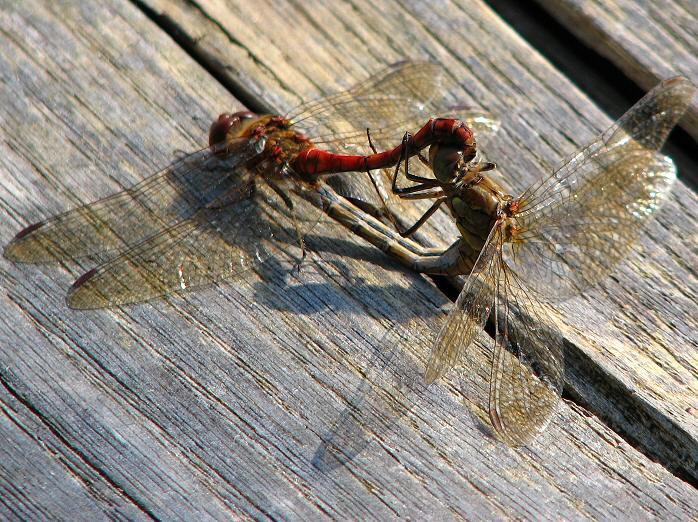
527,368
388,103
579,223
217,243
131,215
514,381
469,313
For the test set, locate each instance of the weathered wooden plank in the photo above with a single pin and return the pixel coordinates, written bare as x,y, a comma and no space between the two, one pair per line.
636,365
648,41
235,401
44,482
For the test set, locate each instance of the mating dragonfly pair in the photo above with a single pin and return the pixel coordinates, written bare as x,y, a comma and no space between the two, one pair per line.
262,181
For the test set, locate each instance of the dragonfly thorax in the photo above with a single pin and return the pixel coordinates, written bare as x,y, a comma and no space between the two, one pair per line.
276,141
475,202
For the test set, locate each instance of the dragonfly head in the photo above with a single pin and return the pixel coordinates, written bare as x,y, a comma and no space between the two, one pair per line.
228,122
449,161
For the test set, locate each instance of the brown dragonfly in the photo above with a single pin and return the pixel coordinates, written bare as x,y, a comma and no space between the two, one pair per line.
563,234
254,190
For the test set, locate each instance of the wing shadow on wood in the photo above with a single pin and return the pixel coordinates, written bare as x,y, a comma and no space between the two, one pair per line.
283,276
391,387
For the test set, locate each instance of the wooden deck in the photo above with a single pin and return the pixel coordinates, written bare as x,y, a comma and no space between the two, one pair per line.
245,400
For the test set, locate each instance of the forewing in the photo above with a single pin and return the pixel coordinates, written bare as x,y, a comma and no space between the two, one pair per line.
389,103
397,99
578,224
215,244
469,313
125,218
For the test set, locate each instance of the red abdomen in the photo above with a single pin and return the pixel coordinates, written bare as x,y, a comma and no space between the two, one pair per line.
314,161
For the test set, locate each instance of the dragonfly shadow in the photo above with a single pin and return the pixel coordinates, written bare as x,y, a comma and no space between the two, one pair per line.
386,299
354,248
391,386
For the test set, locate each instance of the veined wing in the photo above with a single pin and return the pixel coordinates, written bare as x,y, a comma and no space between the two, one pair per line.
579,223
387,103
171,195
527,369
399,98
515,380
469,313
219,242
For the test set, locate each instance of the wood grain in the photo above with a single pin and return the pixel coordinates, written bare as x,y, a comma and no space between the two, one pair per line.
648,41
635,367
246,400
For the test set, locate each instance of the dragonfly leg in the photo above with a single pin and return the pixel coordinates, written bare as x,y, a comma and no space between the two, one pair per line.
376,232
412,192
424,182
373,181
424,161
289,204
405,146
434,207
386,210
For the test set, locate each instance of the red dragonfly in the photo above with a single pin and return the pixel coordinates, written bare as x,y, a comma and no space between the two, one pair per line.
217,212
562,235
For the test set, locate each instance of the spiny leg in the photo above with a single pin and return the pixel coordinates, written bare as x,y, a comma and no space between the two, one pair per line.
373,181
404,192
413,192
386,210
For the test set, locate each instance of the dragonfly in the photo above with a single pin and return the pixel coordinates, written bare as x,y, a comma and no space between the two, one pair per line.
256,188
562,235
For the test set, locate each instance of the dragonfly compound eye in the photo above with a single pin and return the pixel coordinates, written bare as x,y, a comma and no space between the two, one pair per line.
445,161
226,121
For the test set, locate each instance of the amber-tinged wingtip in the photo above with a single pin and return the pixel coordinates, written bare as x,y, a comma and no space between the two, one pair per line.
74,299
8,251
431,374
14,251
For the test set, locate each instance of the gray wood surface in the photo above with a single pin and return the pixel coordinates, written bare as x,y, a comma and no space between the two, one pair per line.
250,399
647,40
